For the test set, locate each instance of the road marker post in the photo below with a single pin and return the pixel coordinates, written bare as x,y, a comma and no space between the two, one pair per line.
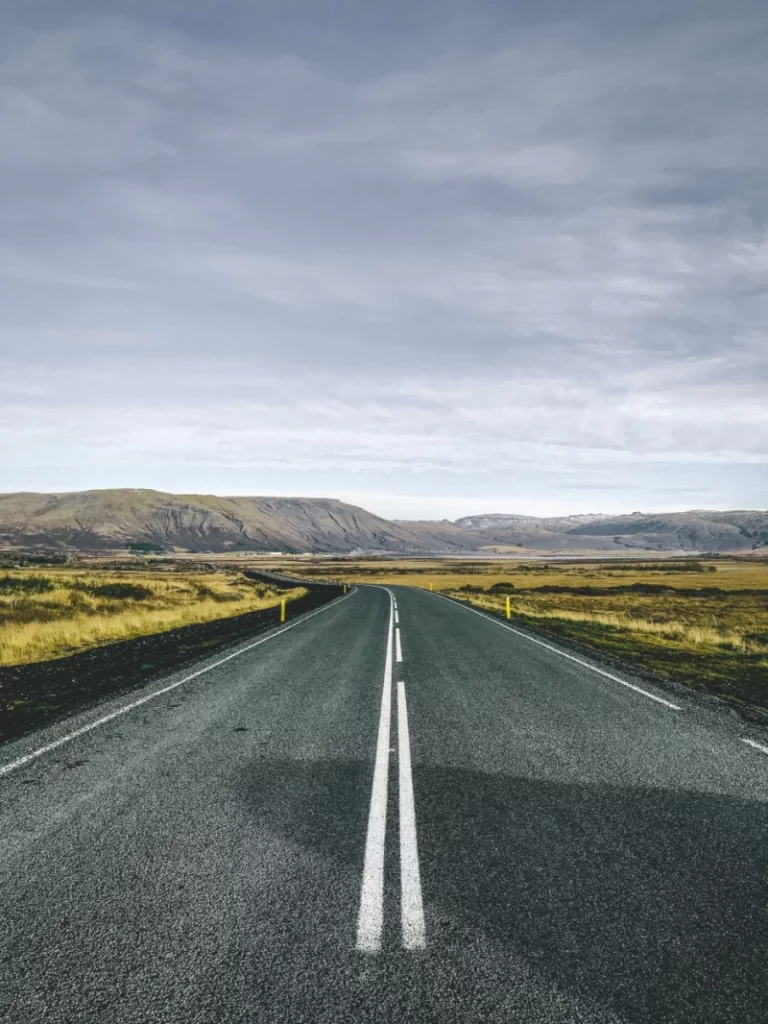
509,615
430,586
282,610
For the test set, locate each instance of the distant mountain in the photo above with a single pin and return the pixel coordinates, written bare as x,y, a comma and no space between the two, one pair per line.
669,531
110,519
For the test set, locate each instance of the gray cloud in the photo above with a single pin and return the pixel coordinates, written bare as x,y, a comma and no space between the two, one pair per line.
463,258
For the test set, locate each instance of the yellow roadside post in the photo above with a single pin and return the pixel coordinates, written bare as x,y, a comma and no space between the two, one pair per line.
345,588
282,610
508,611
430,586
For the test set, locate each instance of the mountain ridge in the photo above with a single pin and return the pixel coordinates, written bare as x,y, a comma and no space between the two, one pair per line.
107,519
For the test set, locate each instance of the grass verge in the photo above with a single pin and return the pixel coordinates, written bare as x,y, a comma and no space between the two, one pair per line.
51,613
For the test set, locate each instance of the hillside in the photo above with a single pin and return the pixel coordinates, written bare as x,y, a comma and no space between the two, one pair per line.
693,531
93,520
109,519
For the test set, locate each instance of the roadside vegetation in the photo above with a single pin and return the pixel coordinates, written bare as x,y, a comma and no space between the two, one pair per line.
702,622
49,612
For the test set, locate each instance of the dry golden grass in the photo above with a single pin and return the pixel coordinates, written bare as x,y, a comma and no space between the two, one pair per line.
448,574
49,613
671,620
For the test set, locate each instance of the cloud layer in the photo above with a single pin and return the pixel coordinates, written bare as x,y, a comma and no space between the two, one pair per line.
521,267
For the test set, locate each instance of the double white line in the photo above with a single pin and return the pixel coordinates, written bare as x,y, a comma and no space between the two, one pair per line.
370,921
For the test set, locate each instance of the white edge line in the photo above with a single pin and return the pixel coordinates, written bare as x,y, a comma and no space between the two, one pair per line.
570,657
414,934
399,648
19,762
757,746
370,918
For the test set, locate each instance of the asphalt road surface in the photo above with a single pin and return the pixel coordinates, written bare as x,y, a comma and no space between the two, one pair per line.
392,810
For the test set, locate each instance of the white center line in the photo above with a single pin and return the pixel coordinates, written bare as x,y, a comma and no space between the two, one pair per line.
411,903
757,746
370,919
570,657
399,648
397,617
11,766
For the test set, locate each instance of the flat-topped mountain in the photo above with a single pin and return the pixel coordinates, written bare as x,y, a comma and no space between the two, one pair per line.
109,519
88,520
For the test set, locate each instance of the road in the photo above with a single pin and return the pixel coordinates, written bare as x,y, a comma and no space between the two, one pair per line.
292,835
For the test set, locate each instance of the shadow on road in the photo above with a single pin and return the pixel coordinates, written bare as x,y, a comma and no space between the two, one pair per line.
650,902
630,904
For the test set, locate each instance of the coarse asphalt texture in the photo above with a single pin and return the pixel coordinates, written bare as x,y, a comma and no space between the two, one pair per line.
586,854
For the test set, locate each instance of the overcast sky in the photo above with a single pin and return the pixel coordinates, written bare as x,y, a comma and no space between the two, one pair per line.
432,258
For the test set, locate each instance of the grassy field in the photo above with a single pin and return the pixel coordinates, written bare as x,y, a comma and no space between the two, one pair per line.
50,612
700,622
